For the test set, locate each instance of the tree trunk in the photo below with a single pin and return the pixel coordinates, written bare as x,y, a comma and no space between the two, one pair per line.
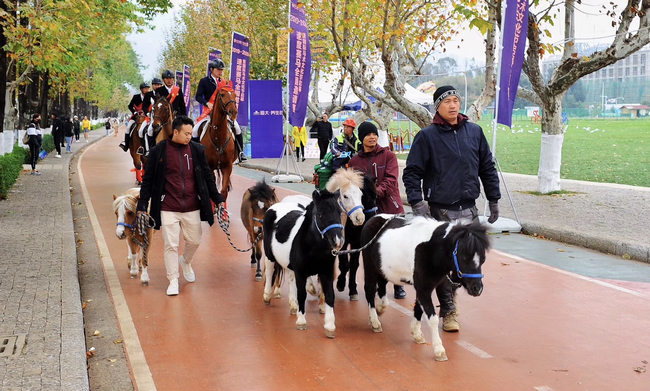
43,99
550,157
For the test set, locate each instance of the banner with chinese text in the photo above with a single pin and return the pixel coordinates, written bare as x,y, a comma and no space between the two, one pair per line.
515,30
266,119
299,64
186,88
239,72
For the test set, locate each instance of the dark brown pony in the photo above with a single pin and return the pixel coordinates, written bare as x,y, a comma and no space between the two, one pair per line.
163,115
134,143
255,202
218,140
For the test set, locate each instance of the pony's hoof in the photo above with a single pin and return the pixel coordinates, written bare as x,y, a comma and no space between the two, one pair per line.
301,326
354,297
321,309
330,334
278,295
441,356
145,283
419,339
295,311
258,278
133,276
340,285
253,265
377,329
311,289
267,300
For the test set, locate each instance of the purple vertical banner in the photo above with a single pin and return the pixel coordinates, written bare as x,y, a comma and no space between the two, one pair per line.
239,69
267,121
212,55
514,30
299,64
186,88
179,79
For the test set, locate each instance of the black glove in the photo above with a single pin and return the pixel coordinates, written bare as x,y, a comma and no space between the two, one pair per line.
494,212
421,209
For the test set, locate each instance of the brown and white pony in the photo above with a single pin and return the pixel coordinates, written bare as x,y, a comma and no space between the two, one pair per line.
163,115
255,202
219,139
124,207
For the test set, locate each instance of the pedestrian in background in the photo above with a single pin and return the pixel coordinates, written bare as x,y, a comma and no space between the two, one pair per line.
442,174
325,134
381,165
300,140
180,185
85,125
107,125
345,145
67,126
35,139
57,133
76,127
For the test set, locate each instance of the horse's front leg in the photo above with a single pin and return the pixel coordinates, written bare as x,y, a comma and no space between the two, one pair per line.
293,302
344,267
299,282
354,267
370,288
327,287
257,253
144,277
426,303
269,266
133,258
225,180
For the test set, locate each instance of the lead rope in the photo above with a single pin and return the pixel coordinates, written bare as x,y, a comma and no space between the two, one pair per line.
356,250
224,223
142,224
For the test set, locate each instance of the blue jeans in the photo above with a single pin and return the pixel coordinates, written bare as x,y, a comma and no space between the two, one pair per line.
68,143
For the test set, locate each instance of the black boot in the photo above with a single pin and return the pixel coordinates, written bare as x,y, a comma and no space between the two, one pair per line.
125,145
239,145
399,292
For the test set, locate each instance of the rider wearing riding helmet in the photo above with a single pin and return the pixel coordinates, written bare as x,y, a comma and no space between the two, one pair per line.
345,145
151,96
172,92
139,104
205,95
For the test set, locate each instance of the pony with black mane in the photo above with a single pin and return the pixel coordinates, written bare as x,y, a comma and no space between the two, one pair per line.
301,240
421,252
255,202
353,240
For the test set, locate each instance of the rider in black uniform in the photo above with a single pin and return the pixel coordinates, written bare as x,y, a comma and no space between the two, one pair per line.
151,96
137,105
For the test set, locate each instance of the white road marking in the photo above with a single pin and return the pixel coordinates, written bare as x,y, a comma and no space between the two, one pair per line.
473,349
400,308
543,388
131,341
571,274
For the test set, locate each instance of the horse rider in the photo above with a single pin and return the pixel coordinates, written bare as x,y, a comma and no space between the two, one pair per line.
172,92
206,95
345,145
139,105
151,96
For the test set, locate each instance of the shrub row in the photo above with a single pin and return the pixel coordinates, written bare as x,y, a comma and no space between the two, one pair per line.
10,166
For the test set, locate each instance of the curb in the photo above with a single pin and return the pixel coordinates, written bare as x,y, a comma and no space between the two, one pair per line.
603,245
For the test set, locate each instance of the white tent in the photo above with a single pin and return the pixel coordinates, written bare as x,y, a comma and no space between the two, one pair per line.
417,96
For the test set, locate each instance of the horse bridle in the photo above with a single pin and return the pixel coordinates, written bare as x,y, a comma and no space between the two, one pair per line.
349,212
459,273
225,111
169,118
329,227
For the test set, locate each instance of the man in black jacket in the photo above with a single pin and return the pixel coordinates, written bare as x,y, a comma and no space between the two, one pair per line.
173,93
180,185
445,163
57,133
138,105
325,135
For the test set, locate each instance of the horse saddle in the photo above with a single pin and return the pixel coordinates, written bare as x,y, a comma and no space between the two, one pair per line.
203,129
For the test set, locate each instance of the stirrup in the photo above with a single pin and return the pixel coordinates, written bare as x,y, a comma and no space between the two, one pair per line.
123,146
140,151
242,157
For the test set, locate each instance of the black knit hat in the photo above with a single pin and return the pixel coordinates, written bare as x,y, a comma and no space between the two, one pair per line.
365,129
442,93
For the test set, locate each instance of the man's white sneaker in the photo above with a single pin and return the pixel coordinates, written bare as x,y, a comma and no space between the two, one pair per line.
188,272
172,289
57,155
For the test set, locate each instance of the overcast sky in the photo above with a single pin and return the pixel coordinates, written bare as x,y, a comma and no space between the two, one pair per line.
591,26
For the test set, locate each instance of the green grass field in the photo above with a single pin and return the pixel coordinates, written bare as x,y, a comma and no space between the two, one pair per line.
595,150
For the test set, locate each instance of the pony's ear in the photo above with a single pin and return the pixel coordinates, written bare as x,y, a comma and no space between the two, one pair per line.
315,195
114,197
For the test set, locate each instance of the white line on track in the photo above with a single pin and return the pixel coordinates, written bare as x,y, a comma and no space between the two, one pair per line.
571,274
134,353
473,349
543,388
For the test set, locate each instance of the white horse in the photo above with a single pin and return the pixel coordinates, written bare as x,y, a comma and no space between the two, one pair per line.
124,207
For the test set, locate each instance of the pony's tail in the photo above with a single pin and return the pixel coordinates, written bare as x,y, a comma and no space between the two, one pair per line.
278,275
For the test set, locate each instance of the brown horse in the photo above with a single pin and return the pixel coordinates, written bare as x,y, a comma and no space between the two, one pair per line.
163,115
124,207
219,140
254,204
134,143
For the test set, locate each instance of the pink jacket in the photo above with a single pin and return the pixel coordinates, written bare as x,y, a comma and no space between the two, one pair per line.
381,165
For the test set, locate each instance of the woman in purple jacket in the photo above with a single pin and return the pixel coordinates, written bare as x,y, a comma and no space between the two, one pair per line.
381,165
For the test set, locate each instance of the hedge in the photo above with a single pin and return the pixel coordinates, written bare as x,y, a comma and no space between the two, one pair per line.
11,165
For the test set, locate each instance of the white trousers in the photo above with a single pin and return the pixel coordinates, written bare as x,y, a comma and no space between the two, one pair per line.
172,224
141,130
195,130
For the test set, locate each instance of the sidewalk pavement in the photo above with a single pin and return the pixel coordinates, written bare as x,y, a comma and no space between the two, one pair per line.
42,320
609,218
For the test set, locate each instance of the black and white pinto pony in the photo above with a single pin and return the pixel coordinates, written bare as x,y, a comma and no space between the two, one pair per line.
421,252
301,240
255,202
353,240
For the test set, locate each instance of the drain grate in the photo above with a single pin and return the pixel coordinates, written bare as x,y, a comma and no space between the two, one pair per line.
12,345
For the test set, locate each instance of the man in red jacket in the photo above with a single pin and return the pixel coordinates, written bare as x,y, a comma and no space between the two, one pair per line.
381,165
